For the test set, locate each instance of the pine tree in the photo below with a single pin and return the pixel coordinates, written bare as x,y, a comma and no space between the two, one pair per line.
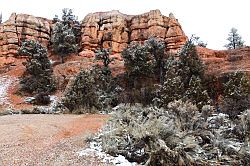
236,94
183,79
145,59
103,54
65,34
192,72
235,40
190,62
173,87
81,92
157,50
196,93
138,61
38,74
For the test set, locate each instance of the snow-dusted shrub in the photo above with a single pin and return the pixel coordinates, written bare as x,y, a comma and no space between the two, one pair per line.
178,135
132,128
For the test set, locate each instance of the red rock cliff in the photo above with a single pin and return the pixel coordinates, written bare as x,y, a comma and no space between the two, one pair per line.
20,27
103,29
116,30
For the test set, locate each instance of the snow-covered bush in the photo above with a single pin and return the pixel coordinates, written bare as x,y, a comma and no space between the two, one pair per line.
178,135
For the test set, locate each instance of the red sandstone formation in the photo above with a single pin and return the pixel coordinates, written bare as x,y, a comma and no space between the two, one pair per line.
20,27
105,29
116,30
223,61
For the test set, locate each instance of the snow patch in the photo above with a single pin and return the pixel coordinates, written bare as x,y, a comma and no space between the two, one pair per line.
5,82
95,150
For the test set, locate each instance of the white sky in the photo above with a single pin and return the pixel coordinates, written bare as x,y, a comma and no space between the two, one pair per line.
211,20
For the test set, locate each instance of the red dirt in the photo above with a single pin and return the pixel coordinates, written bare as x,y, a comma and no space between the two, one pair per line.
46,139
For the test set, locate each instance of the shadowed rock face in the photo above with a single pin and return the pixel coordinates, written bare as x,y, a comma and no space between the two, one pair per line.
116,30
20,27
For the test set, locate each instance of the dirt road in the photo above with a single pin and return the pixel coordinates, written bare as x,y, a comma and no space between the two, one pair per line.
46,139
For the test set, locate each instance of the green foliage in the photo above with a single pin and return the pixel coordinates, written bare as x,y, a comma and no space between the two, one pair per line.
65,34
198,42
156,49
144,63
104,55
145,60
177,135
173,87
138,61
38,74
237,86
190,62
235,40
196,92
183,79
107,88
81,92
236,94
91,89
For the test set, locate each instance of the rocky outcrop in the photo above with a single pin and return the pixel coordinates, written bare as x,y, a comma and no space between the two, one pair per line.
116,30
103,29
224,61
20,27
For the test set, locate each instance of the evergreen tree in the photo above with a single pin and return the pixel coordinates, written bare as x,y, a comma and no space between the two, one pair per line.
196,92
138,61
38,74
237,86
81,92
157,50
236,94
192,72
235,40
183,79
190,62
172,88
104,55
65,34
107,88
198,42
145,60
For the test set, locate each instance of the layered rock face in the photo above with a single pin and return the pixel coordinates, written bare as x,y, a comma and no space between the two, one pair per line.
116,30
20,27
225,61
104,29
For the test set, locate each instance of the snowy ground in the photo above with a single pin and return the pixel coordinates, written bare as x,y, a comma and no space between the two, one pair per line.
5,83
95,150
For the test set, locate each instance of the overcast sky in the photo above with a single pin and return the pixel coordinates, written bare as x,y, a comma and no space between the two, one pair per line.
209,19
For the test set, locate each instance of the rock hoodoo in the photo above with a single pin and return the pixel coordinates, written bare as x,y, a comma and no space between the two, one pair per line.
20,27
102,29
116,30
